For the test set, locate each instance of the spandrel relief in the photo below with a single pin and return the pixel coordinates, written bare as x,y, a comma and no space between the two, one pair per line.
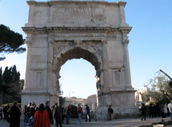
59,46
95,46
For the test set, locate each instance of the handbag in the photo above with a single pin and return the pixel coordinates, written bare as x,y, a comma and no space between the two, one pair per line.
88,116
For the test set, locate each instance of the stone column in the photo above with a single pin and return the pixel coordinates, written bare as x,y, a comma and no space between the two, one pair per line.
52,77
101,111
29,42
125,42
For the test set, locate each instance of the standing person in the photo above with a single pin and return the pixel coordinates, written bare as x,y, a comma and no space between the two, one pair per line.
41,117
5,110
143,111
110,112
165,110
79,111
161,107
170,109
31,112
87,114
63,110
58,116
151,111
68,112
47,107
25,114
14,113
28,112
53,111
1,110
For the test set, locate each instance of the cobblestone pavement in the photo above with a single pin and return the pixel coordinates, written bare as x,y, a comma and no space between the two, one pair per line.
133,122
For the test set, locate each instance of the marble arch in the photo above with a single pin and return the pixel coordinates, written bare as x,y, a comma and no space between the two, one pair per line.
93,30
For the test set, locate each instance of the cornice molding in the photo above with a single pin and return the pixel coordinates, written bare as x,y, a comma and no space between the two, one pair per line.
122,3
51,3
32,30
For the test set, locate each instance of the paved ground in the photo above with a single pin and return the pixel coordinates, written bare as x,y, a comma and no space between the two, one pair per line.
133,122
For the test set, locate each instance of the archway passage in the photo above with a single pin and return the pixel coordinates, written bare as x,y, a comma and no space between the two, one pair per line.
78,53
77,79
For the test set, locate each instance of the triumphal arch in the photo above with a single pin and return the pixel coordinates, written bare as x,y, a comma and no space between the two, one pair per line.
96,31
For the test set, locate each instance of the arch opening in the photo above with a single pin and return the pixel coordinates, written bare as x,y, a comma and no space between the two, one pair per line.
78,53
77,79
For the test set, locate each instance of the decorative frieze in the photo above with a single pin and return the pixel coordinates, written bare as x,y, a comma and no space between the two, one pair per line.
40,30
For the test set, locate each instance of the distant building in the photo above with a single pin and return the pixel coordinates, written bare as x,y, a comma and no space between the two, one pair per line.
92,102
75,101
138,95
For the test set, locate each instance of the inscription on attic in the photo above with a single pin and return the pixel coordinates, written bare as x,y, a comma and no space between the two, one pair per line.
77,14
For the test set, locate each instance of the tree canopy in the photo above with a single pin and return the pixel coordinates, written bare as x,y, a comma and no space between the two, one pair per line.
10,85
10,41
159,89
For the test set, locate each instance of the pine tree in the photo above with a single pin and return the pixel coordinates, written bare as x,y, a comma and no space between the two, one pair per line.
11,85
10,41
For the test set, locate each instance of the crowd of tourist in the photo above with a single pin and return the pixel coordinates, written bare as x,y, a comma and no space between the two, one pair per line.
158,110
41,116
44,115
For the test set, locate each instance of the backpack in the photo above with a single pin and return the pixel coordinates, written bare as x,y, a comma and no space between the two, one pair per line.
80,110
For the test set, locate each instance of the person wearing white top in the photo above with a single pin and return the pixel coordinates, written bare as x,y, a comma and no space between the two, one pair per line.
165,110
170,109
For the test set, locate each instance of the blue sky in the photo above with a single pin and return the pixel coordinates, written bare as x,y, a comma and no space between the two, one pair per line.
149,47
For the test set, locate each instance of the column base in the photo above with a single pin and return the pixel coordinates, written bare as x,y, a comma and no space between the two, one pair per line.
38,98
122,102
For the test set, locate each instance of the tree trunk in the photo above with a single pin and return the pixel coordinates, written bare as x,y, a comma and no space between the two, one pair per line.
166,94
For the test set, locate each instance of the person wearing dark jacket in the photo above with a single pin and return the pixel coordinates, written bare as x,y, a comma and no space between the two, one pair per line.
143,111
31,114
58,116
110,112
87,114
14,113
49,111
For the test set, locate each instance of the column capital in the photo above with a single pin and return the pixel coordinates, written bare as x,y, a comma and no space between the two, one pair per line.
29,40
125,42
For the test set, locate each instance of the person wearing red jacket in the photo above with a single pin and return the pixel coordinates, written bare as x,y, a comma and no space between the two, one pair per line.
41,117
